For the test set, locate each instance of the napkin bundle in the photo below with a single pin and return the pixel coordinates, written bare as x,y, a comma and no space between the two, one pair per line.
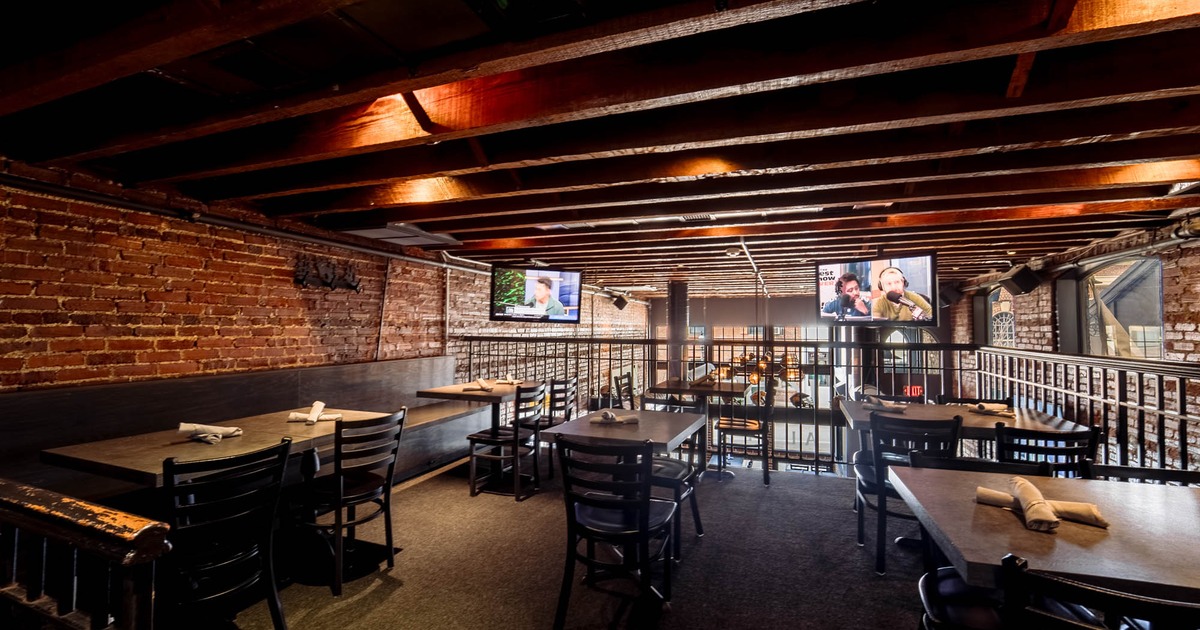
875,403
476,388
1040,514
508,380
324,417
615,416
208,433
993,409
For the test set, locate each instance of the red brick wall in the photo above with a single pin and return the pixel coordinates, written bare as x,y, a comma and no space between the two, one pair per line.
92,294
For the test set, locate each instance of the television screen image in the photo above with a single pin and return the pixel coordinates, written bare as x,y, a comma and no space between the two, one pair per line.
884,291
535,295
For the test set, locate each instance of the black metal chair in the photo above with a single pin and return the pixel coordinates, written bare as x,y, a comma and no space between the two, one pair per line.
1035,599
1138,474
563,393
918,459
364,463
1064,450
222,517
506,446
892,442
623,390
607,491
754,432
681,474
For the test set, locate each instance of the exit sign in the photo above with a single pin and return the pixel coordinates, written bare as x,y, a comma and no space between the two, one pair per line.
914,390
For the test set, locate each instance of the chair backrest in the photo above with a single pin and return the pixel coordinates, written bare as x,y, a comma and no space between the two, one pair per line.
894,439
1065,450
623,386
529,405
1027,592
363,447
607,476
918,459
946,399
903,399
221,512
563,395
1164,476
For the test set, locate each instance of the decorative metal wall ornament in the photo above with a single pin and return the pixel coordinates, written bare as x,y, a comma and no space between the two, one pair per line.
324,272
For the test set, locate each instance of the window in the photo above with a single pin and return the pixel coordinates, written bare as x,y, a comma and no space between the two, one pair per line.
1003,331
1124,309
896,360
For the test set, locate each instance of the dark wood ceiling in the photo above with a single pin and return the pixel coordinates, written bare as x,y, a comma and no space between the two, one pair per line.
638,140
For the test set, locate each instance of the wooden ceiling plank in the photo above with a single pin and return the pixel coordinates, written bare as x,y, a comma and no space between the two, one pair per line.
942,218
639,29
1144,70
168,33
734,63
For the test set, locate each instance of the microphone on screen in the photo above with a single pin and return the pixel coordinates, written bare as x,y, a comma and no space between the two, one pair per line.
896,297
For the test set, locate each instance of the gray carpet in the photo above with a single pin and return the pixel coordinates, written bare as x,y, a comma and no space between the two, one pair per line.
782,556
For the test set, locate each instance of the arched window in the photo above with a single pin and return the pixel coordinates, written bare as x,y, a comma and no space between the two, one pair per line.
911,360
1124,309
1003,329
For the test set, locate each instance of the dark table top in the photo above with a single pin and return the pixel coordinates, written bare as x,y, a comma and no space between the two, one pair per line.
1152,545
139,458
682,387
499,394
975,425
665,429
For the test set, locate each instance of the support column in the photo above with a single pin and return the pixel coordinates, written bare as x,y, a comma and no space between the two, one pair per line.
677,327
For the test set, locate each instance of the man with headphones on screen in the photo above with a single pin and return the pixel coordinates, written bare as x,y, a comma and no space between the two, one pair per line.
899,304
848,299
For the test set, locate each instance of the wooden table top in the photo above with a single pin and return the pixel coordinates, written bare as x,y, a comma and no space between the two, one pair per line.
975,425
665,429
139,458
1152,545
680,386
499,393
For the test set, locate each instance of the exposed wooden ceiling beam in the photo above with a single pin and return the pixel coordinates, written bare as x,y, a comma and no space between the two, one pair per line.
173,31
639,29
840,44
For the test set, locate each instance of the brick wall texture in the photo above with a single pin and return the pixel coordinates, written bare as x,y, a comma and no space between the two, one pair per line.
92,294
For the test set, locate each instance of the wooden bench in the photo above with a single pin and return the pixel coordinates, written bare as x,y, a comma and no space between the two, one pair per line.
41,419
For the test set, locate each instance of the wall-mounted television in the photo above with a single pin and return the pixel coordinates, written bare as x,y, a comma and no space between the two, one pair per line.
538,294
879,292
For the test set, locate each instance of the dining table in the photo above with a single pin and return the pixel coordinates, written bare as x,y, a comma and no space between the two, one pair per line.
495,394
139,458
977,425
1151,546
666,429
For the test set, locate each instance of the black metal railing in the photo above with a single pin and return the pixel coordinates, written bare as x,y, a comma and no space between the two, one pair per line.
1135,402
1146,410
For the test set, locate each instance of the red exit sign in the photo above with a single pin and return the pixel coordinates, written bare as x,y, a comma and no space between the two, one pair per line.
914,390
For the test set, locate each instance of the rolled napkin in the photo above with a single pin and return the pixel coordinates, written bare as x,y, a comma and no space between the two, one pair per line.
314,414
508,381
1077,511
875,403
208,433
476,388
992,407
615,416
1038,514
325,417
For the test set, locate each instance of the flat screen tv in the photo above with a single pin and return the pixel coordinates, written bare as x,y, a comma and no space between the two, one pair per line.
538,294
879,292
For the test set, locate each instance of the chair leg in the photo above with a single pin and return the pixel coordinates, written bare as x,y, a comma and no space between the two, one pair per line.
471,474
564,591
537,461
273,602
338,554
678,535
696,513
861,502
550,460
720,457
387,529
881,535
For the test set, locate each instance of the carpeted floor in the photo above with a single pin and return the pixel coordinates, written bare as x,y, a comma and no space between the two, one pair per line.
772,557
